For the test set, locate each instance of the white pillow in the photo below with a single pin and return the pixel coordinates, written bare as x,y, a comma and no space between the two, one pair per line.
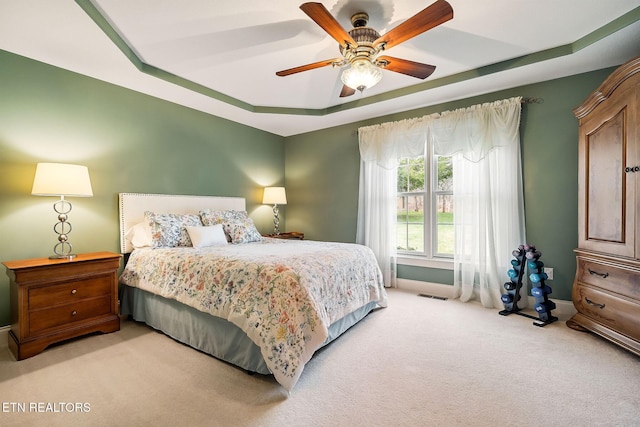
140,235
210,235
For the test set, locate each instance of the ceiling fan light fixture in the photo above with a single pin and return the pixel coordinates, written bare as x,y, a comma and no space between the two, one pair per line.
361,45
361,75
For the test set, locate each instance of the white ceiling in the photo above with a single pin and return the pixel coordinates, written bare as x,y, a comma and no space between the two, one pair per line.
235,47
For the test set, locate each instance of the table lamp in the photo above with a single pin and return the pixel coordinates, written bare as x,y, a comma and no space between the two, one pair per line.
59,179
275,196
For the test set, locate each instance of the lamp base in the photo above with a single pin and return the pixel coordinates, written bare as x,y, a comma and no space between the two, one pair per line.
63,249
68,256
276,220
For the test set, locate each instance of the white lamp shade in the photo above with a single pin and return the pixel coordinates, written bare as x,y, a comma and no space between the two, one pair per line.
274,196
59,179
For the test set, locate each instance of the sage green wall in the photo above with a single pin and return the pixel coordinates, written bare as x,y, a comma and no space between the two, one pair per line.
322,170
131,143
136,143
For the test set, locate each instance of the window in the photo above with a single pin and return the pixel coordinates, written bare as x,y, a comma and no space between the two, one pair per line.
425,206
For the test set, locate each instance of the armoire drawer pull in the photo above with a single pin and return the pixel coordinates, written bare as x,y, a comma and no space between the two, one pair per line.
603,275
594,303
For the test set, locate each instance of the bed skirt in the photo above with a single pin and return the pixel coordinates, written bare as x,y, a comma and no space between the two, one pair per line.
210,334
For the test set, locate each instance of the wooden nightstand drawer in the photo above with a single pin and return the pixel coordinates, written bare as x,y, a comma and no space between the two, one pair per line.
618,313
611,277
63,315
66,293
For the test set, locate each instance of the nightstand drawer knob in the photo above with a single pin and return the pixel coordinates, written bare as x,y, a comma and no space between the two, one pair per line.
73,292
73,313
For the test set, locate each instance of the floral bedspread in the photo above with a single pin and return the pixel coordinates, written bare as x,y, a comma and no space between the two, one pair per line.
283,294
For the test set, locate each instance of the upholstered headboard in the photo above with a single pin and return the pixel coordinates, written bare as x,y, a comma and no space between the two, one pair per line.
132,207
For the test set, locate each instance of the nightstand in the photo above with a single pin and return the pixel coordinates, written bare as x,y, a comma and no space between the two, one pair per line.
292,235
55,300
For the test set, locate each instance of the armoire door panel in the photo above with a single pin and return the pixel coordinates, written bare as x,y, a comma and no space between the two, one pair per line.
606,192
606,181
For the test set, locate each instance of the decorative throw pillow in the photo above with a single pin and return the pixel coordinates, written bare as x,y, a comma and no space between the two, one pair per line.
208,235
237,225
140,235
244,231
168,230
209,217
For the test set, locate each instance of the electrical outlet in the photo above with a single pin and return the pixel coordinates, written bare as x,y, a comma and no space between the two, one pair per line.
549,272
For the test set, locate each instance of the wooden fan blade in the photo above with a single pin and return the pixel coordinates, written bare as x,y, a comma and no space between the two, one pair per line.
428,18
404,66
307,67
346,91
322,17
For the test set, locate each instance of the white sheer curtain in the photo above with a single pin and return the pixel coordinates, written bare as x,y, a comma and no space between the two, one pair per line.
489,209
376,216
484,142
380,148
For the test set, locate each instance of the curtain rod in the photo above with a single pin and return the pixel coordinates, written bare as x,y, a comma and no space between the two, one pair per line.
532,100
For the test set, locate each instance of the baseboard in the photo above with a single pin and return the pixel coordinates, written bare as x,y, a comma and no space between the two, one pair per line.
563,311
4,336
429,288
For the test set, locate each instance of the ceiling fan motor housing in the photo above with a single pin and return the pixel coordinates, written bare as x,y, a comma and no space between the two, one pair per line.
364,36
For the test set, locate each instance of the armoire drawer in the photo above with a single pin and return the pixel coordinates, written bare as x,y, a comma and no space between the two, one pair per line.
612,278
617,313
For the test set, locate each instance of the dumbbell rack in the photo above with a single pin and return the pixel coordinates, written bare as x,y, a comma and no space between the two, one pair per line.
527,256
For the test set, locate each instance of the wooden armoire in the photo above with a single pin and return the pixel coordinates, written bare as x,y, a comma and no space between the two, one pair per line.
606,290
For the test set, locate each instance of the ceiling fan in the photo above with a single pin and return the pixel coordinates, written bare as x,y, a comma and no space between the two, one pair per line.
361,46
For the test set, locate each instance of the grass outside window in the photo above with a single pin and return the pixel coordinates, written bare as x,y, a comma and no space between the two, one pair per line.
410,232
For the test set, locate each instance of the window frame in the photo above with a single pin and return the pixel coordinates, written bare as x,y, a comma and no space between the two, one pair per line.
435,192
429,257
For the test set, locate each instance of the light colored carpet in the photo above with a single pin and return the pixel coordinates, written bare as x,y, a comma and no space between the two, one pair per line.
419,362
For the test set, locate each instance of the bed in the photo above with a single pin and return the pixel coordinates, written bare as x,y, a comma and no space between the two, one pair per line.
197,270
